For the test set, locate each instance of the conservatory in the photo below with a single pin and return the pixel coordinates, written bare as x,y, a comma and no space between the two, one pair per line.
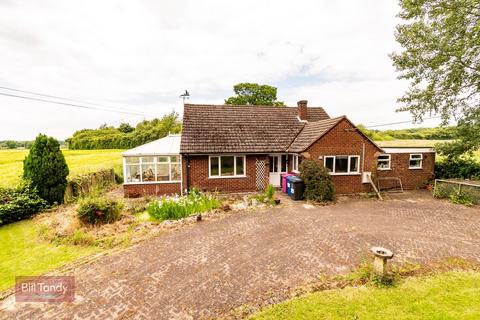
153,168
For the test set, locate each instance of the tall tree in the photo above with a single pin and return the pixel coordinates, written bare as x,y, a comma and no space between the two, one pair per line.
125,127
46,168
441,57
254,94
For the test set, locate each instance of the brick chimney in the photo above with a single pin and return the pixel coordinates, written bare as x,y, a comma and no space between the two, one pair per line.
302,109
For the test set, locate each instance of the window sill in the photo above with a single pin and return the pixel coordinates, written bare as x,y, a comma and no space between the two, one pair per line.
384,169
151,182
228,177
345,174
415,168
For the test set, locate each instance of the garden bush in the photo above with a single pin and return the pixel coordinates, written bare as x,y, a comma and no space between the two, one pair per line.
268,196
457,168
463,197
46,168
466,195
180,207
98,210
19,203
318,183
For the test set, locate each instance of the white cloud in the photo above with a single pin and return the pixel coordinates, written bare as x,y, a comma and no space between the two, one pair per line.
143,54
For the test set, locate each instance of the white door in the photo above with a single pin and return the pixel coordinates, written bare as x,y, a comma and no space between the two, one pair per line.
278,165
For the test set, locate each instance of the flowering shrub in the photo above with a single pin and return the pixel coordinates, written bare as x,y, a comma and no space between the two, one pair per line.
172,208
95,210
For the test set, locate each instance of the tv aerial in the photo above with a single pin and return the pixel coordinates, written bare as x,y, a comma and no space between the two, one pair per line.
185,96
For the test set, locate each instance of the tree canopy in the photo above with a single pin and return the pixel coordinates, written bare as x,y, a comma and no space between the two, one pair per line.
254,94
441,57
466,135
125,136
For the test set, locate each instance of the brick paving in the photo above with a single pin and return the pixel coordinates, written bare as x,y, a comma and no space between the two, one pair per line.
210,268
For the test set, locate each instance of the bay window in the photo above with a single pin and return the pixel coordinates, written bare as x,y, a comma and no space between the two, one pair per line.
342,164
226,166
152,169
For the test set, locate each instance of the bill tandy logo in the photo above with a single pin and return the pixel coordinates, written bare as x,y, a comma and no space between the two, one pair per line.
45,289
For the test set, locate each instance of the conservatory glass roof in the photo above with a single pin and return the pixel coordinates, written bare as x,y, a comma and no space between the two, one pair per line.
169,145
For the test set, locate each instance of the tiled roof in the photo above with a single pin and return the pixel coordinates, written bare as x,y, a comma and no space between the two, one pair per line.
231,129
312,132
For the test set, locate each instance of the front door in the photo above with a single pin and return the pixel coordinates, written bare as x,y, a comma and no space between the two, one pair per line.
278,165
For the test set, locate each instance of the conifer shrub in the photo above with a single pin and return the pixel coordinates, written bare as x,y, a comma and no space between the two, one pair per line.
46,168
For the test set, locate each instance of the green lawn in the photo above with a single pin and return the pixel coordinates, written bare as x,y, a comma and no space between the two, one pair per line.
79,162
23,253
451,295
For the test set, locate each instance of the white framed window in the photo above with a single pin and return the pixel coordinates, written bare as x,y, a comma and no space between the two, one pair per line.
415,161
295,163
152,169
342,164
226,166
384,162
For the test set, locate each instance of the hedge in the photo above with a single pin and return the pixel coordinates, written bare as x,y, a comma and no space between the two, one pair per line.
19,203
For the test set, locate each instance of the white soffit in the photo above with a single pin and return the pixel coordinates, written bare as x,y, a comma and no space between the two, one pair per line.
409,150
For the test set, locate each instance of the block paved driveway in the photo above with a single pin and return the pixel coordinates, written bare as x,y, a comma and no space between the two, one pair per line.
212,267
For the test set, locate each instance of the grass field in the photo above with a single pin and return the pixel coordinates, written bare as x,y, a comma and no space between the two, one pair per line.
24,253
451,295
79,162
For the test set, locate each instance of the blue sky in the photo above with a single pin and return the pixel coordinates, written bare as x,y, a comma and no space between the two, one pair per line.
141,55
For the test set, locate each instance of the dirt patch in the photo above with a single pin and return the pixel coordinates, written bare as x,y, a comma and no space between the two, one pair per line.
61,225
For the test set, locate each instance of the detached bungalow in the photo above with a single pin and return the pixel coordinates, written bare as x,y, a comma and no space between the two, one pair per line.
230,148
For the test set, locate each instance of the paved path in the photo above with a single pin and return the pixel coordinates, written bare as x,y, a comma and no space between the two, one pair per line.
213,267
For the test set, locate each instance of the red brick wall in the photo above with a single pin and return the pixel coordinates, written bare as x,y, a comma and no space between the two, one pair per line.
199,175
411,178
338,142
157,189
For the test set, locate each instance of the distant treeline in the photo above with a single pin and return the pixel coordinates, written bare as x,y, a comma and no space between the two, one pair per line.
11,144
125,136
14,144
439,133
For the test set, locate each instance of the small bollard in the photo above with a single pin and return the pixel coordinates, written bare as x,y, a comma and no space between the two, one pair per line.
380,261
